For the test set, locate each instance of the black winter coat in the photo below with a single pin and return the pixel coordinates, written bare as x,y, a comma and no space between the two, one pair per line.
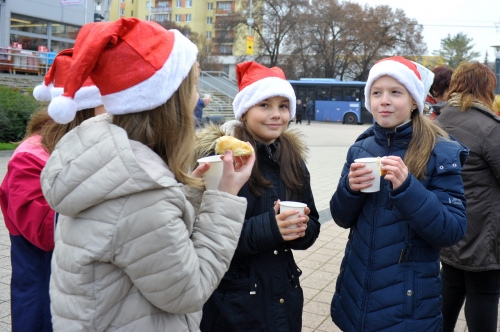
261,290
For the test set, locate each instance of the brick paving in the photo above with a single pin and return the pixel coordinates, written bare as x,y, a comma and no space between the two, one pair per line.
328,144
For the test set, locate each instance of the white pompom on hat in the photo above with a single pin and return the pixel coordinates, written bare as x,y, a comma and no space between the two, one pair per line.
257,83
136,65
87,96
406,72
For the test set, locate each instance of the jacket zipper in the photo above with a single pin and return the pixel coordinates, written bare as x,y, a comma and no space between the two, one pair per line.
368,273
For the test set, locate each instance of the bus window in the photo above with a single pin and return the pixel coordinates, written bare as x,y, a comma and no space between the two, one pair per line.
322,94
311,93
352,94
336,93
302,94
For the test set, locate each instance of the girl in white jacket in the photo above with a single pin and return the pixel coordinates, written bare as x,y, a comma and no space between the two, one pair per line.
138,246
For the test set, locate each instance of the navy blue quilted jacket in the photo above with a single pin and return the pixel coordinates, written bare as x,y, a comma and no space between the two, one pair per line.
389,277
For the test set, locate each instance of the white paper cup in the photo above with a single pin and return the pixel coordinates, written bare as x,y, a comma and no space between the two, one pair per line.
289,205
206,95
214,173
372,164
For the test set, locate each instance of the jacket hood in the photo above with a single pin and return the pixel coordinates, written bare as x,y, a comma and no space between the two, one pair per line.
97,162
205,138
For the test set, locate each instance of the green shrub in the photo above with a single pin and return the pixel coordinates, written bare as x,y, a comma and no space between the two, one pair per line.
15,111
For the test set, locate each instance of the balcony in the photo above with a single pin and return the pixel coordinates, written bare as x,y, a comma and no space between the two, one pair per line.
222,40
161,10
223,12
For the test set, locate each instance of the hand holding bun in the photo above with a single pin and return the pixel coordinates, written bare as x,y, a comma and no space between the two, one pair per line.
237,147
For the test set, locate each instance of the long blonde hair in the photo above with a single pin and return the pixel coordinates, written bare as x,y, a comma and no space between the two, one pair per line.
424,138
168,130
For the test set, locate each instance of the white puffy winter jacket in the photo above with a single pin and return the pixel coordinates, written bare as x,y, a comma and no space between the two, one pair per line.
135,250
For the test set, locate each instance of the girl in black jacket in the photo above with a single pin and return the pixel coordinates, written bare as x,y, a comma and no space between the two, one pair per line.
261,290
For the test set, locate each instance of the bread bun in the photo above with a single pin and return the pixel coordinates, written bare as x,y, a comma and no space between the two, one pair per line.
239,148
379,164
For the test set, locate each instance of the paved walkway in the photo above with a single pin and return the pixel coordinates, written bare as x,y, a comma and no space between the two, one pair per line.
328,144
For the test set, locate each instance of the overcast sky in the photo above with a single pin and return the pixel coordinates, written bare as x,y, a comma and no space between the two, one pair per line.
476,18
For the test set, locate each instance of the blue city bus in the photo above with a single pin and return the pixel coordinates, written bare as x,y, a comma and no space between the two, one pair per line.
334,100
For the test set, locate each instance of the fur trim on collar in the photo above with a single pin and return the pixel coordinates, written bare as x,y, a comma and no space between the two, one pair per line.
205,138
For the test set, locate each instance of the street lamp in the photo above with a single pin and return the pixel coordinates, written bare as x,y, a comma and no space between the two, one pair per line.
497,67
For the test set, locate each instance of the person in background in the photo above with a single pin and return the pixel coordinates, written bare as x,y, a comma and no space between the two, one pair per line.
261,290
27,215
496,105
299,111
309,110
139,245
200,105
471,268
389,276
439,91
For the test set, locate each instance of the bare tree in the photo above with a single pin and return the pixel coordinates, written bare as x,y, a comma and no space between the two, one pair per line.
273,21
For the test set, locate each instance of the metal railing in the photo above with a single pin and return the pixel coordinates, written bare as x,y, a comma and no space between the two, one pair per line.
16,61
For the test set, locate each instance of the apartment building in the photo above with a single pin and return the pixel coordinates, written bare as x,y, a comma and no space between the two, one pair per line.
205,17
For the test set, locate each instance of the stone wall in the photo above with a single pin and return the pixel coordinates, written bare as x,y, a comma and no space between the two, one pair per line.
21,81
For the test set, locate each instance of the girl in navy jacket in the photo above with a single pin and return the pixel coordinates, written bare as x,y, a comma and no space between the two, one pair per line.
261,290
389,277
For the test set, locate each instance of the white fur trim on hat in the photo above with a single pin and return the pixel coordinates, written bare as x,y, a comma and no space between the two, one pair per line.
400,73
157,89
260,90
42,92
62,109
85,97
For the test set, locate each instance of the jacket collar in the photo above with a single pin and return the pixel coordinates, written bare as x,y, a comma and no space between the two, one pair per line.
400,137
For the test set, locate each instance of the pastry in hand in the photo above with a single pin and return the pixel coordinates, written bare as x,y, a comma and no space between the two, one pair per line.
379,164
237,147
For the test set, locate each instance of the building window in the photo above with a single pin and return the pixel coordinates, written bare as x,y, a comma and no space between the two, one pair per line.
163,4
131,13
209,20
122,11
162,17
224,6
177,17
98,6
210,6
209,34
34,33
179,4
189,3
122,0
132,1
188,17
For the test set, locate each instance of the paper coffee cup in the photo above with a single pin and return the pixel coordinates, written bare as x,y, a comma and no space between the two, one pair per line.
371,163
214,173
206,95
289,205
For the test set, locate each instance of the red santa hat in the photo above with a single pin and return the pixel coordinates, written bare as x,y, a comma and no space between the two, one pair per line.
406,72
257,83
137,66
87,96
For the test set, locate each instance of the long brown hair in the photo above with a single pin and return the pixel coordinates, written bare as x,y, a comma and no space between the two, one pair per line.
52,132
425,136
168,130
289,158
473,81
37,121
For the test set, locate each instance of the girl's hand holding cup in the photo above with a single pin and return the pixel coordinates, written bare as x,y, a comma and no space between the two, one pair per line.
236,172
291,228
359,176
397,172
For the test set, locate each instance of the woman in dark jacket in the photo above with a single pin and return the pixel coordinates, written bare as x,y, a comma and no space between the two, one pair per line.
471,268
261,290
